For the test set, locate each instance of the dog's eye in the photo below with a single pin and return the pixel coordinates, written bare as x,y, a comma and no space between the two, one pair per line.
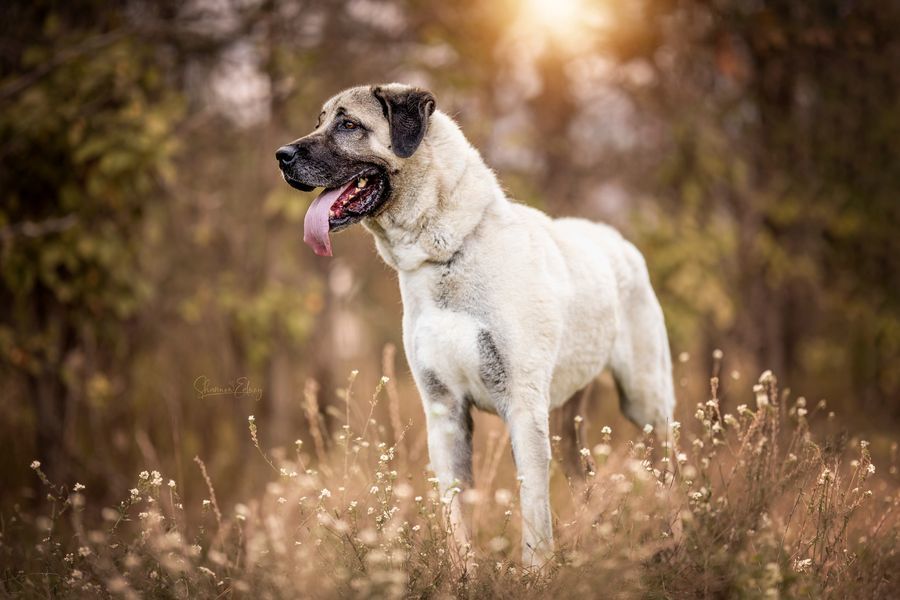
349,125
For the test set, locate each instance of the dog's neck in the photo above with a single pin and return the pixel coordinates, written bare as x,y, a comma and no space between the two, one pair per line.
439,197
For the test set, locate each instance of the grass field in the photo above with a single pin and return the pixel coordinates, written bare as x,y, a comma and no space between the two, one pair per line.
760,502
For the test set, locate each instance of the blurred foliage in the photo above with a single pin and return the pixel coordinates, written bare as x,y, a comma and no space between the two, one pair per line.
85,143
785,189
83,149
147,239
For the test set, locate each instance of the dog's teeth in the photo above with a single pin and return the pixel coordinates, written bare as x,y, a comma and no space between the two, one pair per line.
361,183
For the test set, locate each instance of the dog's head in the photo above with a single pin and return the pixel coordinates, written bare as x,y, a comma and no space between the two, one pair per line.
363,136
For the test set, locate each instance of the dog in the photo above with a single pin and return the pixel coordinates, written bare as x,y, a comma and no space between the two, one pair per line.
504,309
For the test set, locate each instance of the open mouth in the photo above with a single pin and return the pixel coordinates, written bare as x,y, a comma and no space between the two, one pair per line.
341,206
357,199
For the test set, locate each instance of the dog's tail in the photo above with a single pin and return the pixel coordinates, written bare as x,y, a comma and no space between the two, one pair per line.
641,361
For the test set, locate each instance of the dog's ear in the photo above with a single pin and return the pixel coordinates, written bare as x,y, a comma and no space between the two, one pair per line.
408,113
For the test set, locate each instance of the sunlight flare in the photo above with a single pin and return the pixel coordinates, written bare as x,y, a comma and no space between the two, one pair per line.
566,23
556,15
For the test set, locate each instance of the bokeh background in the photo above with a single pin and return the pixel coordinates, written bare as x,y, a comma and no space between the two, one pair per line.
751,150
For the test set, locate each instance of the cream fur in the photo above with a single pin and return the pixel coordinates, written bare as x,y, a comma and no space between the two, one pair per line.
509,310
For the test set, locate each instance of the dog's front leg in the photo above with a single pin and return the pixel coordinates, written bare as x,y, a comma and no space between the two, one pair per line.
529,431
450,452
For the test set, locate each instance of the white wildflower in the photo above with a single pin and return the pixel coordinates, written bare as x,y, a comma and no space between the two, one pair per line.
762,398
801,566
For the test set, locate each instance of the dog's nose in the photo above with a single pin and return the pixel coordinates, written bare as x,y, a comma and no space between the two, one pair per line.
286,154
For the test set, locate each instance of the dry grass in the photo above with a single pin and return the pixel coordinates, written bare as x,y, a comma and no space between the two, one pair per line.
741,505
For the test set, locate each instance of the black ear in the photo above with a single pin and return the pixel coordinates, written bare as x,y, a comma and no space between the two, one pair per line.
408,112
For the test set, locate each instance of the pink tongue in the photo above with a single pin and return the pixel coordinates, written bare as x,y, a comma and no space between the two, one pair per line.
315,225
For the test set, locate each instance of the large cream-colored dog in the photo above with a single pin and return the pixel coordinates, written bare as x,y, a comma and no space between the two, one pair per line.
504,308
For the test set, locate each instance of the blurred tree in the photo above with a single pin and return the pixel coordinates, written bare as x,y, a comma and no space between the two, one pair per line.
86,117
784,124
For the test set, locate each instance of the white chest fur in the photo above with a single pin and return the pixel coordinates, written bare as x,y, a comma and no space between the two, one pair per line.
445,343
